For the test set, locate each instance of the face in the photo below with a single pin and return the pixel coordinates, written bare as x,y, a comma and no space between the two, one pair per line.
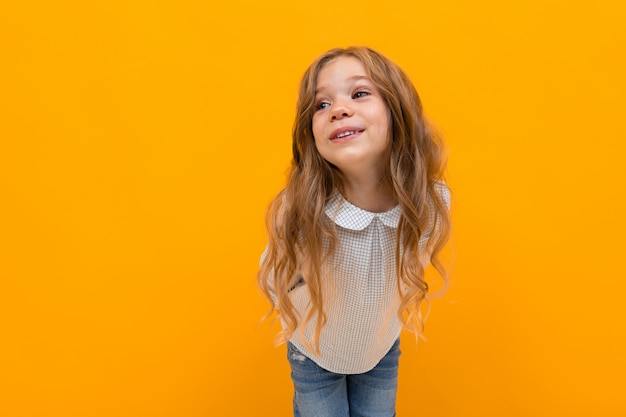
351,120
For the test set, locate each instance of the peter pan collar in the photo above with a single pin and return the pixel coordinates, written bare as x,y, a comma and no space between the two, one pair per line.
349,216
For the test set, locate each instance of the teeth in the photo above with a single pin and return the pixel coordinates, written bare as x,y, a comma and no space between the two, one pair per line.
344,134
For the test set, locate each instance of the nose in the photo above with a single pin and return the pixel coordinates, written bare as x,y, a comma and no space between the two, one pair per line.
340,110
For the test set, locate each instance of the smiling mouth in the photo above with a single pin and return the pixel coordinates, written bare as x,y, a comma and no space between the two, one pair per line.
345,134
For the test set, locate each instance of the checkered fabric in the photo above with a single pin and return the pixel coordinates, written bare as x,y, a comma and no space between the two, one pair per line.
361,297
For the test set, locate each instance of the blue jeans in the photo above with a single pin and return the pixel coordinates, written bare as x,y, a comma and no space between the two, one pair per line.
321,393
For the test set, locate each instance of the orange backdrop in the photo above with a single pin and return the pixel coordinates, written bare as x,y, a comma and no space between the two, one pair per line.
140,142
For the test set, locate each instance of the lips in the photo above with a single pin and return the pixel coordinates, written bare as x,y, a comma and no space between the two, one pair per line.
345,133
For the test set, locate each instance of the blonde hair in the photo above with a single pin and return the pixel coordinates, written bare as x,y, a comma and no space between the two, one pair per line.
302,237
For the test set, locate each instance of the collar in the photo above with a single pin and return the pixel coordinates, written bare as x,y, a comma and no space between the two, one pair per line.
349,216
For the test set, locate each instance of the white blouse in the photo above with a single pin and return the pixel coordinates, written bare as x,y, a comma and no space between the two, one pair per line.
361,297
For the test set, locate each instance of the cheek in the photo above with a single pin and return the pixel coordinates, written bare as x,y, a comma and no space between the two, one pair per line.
386,123
319,147
379,116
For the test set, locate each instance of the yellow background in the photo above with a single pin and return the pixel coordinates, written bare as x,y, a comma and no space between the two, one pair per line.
140,142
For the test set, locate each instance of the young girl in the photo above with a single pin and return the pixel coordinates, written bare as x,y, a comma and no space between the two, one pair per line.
364,211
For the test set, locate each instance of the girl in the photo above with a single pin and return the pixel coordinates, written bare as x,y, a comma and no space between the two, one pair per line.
364,211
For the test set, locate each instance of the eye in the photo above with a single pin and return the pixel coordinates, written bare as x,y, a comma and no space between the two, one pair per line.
321,105
360,93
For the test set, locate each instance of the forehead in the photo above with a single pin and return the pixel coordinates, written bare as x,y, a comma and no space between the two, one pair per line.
340,70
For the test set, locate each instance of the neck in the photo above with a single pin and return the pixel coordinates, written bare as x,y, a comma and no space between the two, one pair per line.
371,194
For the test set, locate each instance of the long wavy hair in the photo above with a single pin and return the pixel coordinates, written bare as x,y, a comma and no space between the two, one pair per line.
302,237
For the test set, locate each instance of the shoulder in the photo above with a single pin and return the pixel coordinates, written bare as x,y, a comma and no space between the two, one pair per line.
443,191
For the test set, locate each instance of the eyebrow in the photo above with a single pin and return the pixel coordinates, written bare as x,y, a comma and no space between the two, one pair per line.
352,78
